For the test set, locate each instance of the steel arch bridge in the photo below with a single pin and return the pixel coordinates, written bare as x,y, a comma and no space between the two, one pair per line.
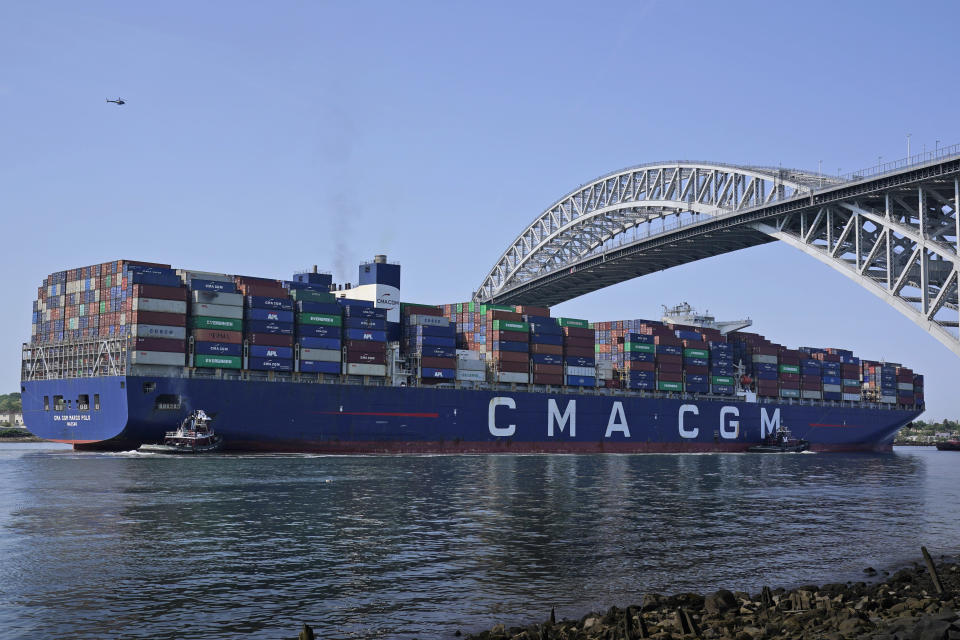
896,233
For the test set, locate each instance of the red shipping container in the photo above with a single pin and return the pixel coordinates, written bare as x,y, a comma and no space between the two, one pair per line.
526,309
159,344
511,336
578,332
631,365
511,367
790,377
670,367
611,384
157,317
548,378
511,356
365,346
790,384
696,369
216,335
850,371
548,368
669,376
669,359
580,352
267,339
851,389
158,292
695,344
439,363
573,341
264,290
421,310
811,385
667,339
497,314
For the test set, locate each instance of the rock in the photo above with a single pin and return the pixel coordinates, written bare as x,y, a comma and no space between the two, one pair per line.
720,602
870,571
306,633
651,601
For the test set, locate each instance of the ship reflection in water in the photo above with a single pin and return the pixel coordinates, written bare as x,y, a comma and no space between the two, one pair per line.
101,545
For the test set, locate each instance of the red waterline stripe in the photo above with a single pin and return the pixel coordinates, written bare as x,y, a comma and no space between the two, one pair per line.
379,413
74,441
841,426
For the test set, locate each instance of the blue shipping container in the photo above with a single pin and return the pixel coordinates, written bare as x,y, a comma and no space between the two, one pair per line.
270,364
376,324
263,302
319,343
581,381
426,330
430,372
264,351
431,351
197,284
366,334
317,331
435,341
546,358
269,326
546,328
217,349
516,347
546,338
275,315
580,361
354,310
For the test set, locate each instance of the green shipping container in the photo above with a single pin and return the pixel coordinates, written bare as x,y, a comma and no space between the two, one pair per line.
471,309
721,380
325,319
107,280
789,368
642,347
573,322
497,307
511,325
459,307
312,296
207,322
789,393
696,353
217,362
669,386
851,383
103,307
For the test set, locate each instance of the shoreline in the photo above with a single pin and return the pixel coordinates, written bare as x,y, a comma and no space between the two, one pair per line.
911,602
23,439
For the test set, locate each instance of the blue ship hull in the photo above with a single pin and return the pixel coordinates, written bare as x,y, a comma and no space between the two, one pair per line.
126,411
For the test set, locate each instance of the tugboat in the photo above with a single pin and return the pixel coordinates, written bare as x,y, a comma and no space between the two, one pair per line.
949,445
195,435
780,442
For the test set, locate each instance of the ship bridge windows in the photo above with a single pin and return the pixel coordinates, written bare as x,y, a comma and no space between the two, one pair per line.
167,402
83,402
46,403
96,402
58,404
149,387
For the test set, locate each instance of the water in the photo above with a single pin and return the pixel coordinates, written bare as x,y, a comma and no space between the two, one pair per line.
136,546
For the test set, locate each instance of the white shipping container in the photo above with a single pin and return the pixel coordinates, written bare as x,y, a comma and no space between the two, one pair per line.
605,374
320,355
468,354
216,297
156,304
357,369
833,388
811,395
188,275
216,311
888,399
471,375
157,357
471,365
905,386
508,376
158,331
765,359
853,397
580,371
428,321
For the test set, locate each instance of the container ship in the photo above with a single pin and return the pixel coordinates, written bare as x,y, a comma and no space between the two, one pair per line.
121,352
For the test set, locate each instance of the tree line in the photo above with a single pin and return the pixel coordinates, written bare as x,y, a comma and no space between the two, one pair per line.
10,402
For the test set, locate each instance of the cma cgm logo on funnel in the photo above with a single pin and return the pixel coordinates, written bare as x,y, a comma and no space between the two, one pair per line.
387,299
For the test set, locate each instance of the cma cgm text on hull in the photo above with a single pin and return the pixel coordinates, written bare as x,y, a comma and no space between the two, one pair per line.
204,340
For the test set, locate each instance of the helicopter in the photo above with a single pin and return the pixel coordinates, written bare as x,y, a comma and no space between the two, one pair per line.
119,100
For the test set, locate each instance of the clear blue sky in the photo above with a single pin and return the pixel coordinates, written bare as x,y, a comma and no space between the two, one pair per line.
261,138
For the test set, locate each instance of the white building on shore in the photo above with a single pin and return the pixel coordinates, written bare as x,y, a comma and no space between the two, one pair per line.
11,419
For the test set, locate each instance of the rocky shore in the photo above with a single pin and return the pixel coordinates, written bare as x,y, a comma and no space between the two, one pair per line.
920,603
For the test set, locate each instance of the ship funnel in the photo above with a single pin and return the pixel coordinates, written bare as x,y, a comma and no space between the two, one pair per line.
380,258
